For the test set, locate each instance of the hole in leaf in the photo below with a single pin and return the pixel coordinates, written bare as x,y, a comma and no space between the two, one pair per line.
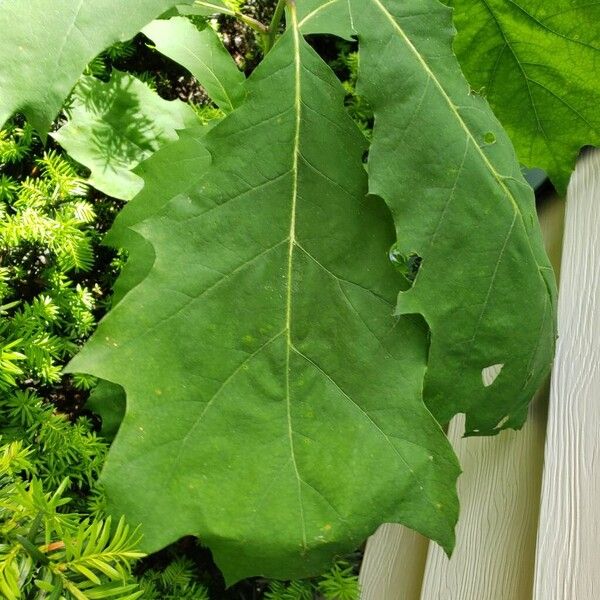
490,374
407,265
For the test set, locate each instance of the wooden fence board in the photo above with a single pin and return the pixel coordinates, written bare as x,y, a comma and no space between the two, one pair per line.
394,564
499,493
568,552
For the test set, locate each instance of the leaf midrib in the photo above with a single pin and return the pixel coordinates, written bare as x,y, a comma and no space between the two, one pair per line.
448,101
290,261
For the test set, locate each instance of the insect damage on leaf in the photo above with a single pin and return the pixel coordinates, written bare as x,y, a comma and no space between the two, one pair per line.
490,374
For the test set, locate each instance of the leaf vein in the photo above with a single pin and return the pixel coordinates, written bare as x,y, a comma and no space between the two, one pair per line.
365,414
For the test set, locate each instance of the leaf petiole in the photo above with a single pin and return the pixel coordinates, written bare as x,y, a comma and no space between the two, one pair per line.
253,23
274,26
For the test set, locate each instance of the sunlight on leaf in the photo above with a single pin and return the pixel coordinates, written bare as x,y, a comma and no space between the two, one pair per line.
113,126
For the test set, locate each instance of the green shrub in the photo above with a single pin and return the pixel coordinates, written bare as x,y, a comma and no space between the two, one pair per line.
47,551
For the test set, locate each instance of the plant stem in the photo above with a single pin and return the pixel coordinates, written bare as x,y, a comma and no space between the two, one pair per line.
253,23
274,26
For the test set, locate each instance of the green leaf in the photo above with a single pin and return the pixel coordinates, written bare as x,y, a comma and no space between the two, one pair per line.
169,172
114,126
205,8
213,7
462,211
203,54
274,402
537,64
326,16
44,48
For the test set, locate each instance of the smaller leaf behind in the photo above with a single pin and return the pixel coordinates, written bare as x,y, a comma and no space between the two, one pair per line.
202,53
199,8
113,126
45,46
537,64
326,16
108,401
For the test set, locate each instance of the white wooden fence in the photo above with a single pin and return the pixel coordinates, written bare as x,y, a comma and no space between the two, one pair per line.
530,500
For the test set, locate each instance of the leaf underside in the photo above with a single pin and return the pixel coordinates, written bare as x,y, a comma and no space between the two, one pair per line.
274,402
45,46
537,64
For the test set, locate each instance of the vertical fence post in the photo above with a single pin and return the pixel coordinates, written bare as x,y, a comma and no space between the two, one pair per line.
394,564
568,549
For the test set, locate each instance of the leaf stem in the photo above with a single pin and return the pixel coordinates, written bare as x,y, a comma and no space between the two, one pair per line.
253,23
274,26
